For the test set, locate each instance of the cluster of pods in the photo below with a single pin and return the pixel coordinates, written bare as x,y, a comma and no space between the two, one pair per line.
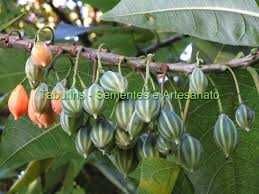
145,127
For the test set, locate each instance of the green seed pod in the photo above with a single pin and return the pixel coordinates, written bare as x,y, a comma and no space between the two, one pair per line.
166,104
163,146
70,124
114,82
83,142
245,117
72,102
147,108
135,125
102,133
146,147
33,73
170,126
124,160
226,134
190,152
123,113
198,81
123,140
93,99
41,101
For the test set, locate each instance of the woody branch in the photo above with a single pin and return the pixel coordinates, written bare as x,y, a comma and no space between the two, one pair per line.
109,58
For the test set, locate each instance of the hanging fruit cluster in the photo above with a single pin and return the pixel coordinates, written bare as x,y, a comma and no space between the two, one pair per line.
146,127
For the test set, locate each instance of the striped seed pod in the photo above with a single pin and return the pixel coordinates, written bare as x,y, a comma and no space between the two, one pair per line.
135,125
147,108
170,126
102,133
84,145
245,117
124,160
198,81
70,124
166,104
33,73
123,140
57,95
93,99
114,82
123,113
146,147
41,99
226,134
72,102
190,152
163,146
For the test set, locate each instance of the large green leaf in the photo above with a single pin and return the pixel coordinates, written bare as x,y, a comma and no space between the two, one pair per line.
234,22
23,142
157,176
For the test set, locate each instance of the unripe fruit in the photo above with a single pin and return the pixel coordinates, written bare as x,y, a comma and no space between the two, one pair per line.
190,152
198,81
41,99
84,145
146,147
135,125
114,82
147,108
124,161
123,140
102,133
70,124
245,117
56,97
18,102
41,54
163,146
34,73
72,102
166,104
93,99
226,134
170,126
123,113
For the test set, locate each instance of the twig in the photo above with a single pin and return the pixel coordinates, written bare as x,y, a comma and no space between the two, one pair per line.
161,44
134,62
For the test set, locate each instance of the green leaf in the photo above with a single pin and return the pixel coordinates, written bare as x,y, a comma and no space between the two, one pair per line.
23,142
157,176
239,174
255,77
103,5
233,22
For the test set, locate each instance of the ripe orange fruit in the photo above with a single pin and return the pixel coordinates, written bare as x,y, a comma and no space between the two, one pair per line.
32,114
18,102
46,119
41,54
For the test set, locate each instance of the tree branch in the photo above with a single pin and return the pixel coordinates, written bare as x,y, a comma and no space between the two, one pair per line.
133,62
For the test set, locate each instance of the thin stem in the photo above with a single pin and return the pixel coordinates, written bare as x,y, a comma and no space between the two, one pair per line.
76,66
37,36
219,99
148,60
23,80
81,81
186,107
119,64
236,84
178,99
99,67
